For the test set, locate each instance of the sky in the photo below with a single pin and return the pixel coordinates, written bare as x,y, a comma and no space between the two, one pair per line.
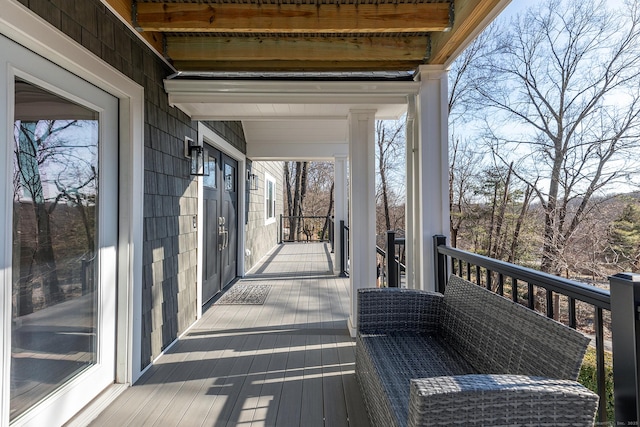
468,130
517,6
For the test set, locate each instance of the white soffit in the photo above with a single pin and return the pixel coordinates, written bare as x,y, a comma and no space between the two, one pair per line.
287,100
322,139
295,131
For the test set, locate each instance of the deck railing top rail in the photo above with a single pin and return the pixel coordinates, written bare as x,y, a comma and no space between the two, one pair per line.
597,297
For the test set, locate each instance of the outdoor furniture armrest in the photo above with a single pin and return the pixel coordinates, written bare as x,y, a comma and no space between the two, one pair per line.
396,310
499,400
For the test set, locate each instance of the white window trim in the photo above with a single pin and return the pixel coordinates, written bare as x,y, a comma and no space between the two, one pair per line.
24,27
269,178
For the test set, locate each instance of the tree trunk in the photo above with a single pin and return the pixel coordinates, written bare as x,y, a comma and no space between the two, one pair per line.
493,216
289,196
550,248
326,222
44,256
498,247
516,232
293,219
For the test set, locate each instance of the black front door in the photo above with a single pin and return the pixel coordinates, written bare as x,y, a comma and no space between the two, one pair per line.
220,223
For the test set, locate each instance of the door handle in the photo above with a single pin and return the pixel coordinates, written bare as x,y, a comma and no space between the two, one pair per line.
223,233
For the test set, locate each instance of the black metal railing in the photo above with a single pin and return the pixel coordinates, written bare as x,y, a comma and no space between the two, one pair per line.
344,249
305,228
542,292
390,273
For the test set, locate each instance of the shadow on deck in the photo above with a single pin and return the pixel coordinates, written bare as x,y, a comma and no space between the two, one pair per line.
287,362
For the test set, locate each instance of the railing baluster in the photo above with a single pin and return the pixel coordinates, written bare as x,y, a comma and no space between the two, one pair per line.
600,369
501,284
392,267
530,302
460,266
572,313
478,276
625,337
514,289
344,248
549,304
468,271
441,264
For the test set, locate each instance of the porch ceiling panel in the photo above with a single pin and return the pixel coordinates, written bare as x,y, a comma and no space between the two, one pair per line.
287,100
314,151
296,139
295,131
306,35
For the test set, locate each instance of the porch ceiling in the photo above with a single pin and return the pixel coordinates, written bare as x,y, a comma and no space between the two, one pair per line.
306,35
292,118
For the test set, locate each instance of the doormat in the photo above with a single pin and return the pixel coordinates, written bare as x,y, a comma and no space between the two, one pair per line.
245,294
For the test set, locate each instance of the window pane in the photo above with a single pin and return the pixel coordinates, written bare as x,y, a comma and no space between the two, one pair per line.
270,199
55,169
229,178
211,180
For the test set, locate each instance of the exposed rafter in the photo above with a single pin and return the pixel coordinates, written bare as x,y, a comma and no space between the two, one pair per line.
292,18
470,16
307,35
312,49
124,8
269,66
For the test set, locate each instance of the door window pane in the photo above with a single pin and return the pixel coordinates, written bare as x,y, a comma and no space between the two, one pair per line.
55,187
229,178
211,180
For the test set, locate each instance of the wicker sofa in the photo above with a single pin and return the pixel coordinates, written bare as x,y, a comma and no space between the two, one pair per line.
470,357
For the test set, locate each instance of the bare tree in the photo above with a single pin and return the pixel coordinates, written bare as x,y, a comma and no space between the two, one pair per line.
465,154
466,75
295,198
48,157
288,189
389,148
33,148
309,193
566,79
464,171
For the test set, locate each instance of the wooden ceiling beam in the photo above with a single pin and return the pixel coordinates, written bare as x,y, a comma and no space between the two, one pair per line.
124,9
469,16
288,65
199,48
290,18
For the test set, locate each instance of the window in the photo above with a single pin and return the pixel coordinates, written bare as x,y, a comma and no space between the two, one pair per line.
229,178
211,180
270,199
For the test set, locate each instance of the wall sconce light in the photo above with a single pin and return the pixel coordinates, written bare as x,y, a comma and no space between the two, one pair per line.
252,181
199,157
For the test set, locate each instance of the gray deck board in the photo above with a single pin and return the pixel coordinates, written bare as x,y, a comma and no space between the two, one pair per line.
311,411
288,362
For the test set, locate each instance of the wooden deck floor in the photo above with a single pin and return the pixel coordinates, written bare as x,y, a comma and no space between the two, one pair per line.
288,362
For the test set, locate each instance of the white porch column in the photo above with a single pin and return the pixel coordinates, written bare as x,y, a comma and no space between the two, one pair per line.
340,205
412,258
431,170
362,218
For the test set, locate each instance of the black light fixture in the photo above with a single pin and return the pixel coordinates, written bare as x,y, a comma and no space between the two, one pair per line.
252,181
199,157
